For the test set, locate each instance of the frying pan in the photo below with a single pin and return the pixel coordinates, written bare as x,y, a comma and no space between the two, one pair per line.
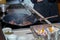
19,17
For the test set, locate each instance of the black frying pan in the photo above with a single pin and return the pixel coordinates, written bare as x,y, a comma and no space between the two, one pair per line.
19,19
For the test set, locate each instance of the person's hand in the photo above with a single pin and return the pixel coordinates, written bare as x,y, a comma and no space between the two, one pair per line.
39,0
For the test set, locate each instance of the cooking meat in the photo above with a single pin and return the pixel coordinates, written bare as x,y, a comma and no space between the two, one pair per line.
19,19
27,23
12,22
